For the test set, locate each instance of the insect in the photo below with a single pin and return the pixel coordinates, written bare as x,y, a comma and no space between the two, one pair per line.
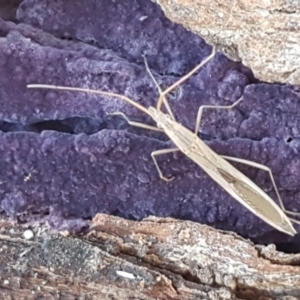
239,186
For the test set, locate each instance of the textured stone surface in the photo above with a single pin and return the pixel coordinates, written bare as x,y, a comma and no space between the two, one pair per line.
264,35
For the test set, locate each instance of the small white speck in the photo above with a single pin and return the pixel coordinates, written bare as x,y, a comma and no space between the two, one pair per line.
125,274
6,282
25,252
28,234
143,18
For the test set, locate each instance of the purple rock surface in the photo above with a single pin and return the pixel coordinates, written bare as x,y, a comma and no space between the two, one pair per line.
63,157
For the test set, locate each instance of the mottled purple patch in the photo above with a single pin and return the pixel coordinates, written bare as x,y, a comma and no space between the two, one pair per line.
61,154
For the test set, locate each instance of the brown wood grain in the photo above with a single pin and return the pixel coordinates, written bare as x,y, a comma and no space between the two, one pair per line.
161,258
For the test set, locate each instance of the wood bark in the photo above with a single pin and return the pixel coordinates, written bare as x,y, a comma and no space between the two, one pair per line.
155,258
264,35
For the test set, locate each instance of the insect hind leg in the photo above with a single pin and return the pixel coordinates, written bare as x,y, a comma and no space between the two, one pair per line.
267,169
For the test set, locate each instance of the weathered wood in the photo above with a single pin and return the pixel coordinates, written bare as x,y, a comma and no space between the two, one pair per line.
161,258
264,35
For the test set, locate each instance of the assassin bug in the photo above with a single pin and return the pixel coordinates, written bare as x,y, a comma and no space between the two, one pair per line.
239,186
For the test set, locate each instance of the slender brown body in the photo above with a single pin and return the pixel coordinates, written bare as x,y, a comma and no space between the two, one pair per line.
239,186
227,176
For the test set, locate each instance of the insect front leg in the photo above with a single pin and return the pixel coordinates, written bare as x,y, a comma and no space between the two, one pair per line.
163,94
202,107
159,152
165,101
267,169
133,123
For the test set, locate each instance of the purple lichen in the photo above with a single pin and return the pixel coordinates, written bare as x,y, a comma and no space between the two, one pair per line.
61,155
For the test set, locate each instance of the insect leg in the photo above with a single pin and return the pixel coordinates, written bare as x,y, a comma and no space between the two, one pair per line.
202,107
265,168
133,123
159,152
161,99
165,101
